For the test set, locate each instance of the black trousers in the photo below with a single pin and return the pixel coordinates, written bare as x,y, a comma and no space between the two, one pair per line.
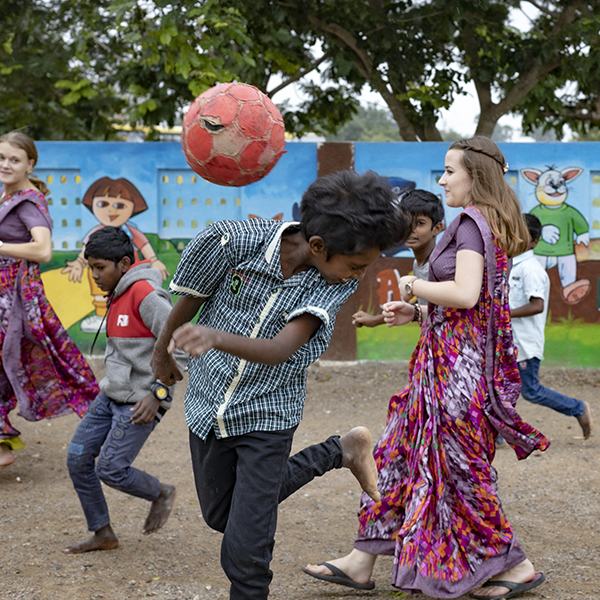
240,481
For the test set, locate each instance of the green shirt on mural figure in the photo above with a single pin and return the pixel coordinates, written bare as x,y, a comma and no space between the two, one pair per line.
569,222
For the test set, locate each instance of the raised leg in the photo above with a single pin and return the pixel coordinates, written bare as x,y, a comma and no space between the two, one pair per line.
353,451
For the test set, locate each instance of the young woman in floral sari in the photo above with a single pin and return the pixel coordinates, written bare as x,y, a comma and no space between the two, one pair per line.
439,512
41,370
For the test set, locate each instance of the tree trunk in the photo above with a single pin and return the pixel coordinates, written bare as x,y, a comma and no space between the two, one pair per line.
486,124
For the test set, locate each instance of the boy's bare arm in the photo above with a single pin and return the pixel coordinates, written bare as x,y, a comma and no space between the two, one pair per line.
196,340
361,318
162,362
535,306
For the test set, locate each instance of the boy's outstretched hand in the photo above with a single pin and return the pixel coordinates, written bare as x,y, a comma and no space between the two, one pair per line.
361,318
144,410
398,313
164,367
193,339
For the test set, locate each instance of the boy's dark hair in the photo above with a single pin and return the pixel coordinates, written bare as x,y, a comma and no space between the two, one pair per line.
352,213
109,243
421,203
534,225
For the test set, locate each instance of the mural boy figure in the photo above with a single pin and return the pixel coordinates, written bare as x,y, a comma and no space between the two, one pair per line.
113,203
269,292
427,212
131,402
528,299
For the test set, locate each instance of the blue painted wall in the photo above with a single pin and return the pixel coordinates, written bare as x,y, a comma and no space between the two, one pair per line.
424,164
180,203
571,174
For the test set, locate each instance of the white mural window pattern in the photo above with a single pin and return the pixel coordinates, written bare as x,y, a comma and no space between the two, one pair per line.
64,204
188,203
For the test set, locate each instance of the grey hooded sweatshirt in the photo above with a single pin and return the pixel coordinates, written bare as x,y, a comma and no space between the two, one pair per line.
138,310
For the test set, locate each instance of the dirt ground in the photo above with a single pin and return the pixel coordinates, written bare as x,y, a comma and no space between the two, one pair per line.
552,500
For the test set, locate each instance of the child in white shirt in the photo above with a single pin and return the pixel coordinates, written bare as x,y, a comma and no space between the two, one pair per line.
528,299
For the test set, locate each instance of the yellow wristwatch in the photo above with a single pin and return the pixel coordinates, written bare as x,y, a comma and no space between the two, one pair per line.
160,391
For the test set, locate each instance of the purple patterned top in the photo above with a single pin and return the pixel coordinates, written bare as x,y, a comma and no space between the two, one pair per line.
466,237
15,227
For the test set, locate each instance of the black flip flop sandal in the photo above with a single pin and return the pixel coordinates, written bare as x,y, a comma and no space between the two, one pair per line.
339,577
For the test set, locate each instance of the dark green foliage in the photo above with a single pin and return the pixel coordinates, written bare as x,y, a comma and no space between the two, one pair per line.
70,69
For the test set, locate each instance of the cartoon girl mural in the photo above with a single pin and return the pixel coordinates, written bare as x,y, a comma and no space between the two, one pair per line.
113,202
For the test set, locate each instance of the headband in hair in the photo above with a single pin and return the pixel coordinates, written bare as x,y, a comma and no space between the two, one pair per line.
504,165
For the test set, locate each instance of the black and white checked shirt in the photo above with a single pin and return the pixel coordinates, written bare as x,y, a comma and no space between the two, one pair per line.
236,266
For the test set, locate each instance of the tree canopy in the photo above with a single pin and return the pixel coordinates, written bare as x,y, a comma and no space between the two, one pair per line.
71,69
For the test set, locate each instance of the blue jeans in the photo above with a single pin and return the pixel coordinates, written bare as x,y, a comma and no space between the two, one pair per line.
107,433
534,391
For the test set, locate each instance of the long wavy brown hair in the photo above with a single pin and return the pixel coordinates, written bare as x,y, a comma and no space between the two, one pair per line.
21,140
492,195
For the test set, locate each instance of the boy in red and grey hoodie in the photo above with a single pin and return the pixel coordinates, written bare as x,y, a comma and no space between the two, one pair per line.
131,401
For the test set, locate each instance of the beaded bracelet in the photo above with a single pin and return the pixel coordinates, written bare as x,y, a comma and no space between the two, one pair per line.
418,317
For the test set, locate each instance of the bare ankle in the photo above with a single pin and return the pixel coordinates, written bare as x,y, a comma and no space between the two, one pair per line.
358,457
160,509
103,539
586,422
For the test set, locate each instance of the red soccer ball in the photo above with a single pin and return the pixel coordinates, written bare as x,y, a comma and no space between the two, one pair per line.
233,134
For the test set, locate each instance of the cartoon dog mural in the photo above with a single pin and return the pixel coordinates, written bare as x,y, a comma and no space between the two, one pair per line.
563,226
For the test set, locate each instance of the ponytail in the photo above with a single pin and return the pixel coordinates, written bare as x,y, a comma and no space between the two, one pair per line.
39,184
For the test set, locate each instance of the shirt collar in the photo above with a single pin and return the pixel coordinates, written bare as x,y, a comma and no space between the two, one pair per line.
273,244
521,257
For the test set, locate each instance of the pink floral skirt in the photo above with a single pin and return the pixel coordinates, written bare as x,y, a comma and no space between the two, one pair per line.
42,372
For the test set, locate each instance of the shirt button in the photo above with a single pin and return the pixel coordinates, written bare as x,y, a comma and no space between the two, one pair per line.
222,401
257,320
276,291
236,373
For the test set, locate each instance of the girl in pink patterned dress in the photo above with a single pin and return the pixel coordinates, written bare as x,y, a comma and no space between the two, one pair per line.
41,370
439,513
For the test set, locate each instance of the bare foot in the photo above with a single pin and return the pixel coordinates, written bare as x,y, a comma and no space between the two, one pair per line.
358,457
358,565
586,422
6,456
103,539
522,573
160,508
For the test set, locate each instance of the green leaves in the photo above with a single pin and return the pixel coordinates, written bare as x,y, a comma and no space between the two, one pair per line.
84,65
7,44
77,90
6,69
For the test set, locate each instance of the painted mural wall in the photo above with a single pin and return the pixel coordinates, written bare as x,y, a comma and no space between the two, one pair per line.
149,190
560,184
